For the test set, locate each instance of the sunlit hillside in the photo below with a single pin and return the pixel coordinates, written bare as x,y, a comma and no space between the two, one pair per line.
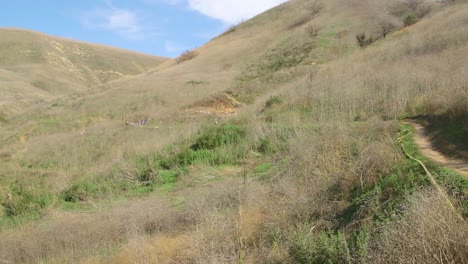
36,67
287,139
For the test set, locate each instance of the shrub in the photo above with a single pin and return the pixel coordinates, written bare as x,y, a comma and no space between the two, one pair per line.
364,41
187,55
80,191
181,159
410,20
216,136
326,247
168,176
312,31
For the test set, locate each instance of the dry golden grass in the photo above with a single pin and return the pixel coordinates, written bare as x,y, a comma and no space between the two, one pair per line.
410,73
160,249
333,129
429,232
76,235
42,67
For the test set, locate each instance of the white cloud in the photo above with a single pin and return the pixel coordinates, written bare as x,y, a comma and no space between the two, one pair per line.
232,11
124,22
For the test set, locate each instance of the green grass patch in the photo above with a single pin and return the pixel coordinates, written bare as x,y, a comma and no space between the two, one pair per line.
326,247
84,190
213,145
263,168
216,136
24,203
274,67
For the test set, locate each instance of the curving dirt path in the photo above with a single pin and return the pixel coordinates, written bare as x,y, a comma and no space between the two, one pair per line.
426,148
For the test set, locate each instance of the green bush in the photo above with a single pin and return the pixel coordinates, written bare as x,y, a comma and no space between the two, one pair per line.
326,247
219,156
168,176
410,20
216,136
180,159
23,202
82,191
263,168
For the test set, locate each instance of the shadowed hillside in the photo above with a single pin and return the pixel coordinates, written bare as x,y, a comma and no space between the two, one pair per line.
279,141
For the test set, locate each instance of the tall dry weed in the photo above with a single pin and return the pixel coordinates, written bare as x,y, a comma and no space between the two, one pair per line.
428,232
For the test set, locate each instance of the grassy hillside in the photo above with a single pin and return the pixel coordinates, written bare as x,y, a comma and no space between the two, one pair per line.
279,141
35,67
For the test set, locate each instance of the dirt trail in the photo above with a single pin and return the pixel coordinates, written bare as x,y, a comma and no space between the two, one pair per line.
426,148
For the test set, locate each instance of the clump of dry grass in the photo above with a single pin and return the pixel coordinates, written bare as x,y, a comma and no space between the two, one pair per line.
74,236
429,232
158,249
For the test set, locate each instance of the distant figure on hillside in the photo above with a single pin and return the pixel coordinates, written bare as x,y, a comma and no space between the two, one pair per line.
132,124
143,121
140,123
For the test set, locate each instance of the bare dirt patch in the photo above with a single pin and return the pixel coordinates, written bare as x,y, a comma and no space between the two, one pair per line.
217,105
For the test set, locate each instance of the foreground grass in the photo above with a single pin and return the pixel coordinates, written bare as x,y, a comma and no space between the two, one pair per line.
373,208
314,174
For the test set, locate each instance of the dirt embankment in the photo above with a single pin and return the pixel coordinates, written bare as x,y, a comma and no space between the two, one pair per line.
217,105
427,149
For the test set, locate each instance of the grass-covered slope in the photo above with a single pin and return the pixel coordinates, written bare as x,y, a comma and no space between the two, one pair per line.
313,166
35,66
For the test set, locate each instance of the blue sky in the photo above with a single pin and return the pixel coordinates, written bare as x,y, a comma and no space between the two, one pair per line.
158,27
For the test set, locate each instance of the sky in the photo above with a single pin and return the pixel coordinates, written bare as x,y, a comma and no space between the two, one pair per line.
158,27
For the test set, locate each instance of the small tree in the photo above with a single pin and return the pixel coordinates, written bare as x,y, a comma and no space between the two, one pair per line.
385,28
444,2
423,11
413,4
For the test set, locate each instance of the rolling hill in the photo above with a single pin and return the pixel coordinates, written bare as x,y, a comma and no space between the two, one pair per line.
280,141
35,67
